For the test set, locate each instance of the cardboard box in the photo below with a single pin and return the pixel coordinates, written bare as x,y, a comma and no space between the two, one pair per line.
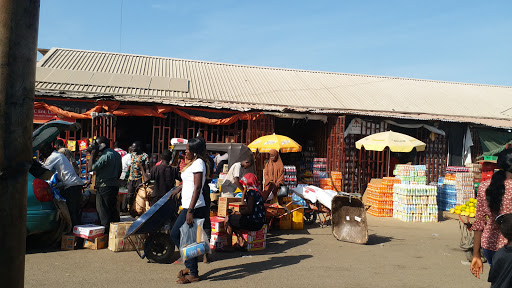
256,246
96,243
117,241
253,236
88,231
214,196
224,205
217,224
237,206
122,244
68,242
218,241
119,229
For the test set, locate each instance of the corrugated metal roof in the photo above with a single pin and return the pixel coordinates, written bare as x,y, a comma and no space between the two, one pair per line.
136,76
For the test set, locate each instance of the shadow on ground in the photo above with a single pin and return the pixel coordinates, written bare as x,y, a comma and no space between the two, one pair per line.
244,270
275,245
375,239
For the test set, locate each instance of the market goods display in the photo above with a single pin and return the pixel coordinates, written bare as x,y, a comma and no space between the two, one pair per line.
380,197
467,209
415,203
447,193
456,187
464,187
411,174
336,180
306,166
319,170
290,176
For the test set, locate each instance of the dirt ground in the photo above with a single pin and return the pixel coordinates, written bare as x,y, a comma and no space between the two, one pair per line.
398,255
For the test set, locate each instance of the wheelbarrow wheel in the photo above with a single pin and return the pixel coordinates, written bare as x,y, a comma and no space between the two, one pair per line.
309,217
159,248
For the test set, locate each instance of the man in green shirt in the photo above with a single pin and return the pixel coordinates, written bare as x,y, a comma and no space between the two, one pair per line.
106,163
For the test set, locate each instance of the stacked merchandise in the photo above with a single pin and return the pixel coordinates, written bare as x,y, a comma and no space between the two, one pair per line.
93,235
488,169
380,197
465,187
306,168
447,192
290,176
476,169
411,174
460,180
82,164
415,203
336,180
326,183
319,170
256,240
219,238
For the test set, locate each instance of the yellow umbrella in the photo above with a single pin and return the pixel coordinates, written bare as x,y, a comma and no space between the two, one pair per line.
281,143
397,142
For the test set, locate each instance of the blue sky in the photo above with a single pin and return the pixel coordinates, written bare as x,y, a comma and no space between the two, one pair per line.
463,41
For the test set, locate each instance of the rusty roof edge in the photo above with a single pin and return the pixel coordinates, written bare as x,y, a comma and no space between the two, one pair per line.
246,107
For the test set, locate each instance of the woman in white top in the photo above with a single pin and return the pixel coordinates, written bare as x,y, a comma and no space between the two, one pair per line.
192,201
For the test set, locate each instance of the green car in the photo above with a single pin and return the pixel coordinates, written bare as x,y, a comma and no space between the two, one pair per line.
47,218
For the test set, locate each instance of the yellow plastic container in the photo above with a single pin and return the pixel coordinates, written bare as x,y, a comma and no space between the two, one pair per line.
297,218
285,222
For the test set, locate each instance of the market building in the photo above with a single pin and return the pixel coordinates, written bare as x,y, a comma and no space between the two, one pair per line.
154,99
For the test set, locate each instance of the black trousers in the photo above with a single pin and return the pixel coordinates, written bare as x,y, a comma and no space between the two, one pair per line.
73,195
132,191
106,204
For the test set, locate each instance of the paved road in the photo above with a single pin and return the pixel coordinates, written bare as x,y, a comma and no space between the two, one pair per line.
398,255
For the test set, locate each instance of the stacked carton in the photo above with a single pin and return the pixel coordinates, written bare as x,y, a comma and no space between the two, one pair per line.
256,240
219,238
380,197
117,241
92,236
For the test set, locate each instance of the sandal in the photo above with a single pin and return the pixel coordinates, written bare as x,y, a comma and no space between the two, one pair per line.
187,279
183,272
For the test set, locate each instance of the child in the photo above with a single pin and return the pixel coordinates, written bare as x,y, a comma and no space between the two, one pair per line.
501,269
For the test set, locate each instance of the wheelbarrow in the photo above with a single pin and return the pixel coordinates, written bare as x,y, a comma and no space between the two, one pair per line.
156,223
349,218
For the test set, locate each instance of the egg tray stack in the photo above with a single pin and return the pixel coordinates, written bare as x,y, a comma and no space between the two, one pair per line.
415,203
380,197
464,185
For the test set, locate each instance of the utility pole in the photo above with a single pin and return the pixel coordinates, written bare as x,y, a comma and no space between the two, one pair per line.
19,24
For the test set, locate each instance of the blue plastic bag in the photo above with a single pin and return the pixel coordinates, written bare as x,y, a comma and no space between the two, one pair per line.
54,183
299,201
